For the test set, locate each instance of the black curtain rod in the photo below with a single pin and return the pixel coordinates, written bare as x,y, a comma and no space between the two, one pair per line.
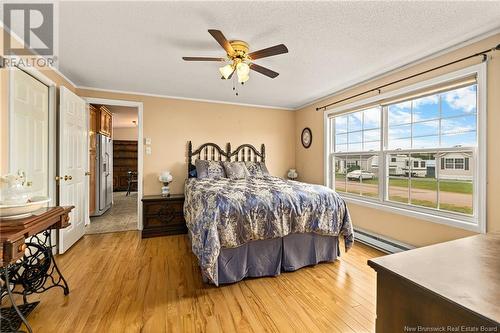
482,53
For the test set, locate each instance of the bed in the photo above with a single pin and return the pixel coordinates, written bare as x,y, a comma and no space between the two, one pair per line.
259,226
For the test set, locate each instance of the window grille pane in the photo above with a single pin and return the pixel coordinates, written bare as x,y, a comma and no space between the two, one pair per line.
458,125
340,124
400,144
459,140
371,146
398,172
355,137
357,146
340,139
353,166
341,148
426,142
455,184
371,118
369,175
399,113
399,132
340,172
362,174
426,128
425,108
358,131
371,135
457,102
354,122
446,119
423,183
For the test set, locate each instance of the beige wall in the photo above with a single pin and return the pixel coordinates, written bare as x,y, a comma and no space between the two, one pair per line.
170,123
310,162
125,133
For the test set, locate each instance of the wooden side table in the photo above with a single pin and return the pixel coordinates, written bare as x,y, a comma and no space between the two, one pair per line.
162,215
28,266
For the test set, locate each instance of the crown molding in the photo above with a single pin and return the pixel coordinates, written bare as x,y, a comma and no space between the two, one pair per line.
348,86
185,98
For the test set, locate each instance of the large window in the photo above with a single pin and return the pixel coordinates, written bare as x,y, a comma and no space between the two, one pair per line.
417,152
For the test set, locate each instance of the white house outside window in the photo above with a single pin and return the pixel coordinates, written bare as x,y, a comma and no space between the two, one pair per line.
418,153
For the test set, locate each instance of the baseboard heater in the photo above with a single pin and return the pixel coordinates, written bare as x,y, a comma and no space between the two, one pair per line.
381,243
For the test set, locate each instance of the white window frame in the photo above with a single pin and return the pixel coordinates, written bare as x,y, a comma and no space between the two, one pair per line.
476,222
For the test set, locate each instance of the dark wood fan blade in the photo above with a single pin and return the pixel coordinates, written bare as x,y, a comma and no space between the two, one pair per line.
202,59
270,51
263,70
219,37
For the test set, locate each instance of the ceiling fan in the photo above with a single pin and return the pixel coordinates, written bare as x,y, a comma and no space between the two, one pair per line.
240,59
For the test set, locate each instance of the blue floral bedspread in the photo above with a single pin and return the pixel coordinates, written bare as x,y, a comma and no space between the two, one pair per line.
225,213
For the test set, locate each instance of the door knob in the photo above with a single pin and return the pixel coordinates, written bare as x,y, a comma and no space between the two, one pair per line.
70,177
66,177
88,173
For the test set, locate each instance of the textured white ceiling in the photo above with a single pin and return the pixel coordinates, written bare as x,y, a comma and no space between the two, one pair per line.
137,46
123,116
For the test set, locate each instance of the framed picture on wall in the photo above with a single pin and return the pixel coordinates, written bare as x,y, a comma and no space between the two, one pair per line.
306,137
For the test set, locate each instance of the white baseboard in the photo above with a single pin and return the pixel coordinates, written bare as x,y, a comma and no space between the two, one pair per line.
381,243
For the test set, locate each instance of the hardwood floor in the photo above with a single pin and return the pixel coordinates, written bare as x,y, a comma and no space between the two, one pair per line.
122,283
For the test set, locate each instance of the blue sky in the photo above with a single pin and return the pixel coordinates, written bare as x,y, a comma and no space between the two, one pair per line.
458,123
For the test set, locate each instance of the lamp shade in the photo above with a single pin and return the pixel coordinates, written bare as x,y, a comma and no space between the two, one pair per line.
165,177
243,78
242,69
226,71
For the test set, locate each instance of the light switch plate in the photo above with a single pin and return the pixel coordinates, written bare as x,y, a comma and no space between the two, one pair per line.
147,141
148,150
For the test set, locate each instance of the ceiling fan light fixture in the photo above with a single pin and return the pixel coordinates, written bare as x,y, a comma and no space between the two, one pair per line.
226,71
239,59
242,69
243,78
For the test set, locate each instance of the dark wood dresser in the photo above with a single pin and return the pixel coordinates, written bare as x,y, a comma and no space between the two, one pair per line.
163,215
452,286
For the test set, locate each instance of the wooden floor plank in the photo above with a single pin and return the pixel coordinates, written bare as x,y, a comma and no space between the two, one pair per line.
122,283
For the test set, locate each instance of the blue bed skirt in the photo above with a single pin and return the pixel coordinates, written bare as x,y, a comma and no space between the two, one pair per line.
272,256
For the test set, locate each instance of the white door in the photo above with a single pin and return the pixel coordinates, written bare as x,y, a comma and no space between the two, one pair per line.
73,159
29,131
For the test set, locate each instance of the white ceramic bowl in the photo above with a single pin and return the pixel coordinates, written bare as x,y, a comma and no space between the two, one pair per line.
8,212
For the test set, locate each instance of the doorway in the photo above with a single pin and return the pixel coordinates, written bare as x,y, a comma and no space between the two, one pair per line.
116,163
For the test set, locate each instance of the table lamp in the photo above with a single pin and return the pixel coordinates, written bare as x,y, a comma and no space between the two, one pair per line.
165,178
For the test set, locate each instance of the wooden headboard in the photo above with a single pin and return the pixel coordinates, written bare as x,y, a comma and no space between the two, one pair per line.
213,152
247,152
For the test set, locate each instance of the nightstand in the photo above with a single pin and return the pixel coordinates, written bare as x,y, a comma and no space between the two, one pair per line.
163,215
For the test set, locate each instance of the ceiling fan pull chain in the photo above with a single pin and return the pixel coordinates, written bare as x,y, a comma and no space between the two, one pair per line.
235,87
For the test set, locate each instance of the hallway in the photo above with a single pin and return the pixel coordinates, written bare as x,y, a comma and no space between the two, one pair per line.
122,216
